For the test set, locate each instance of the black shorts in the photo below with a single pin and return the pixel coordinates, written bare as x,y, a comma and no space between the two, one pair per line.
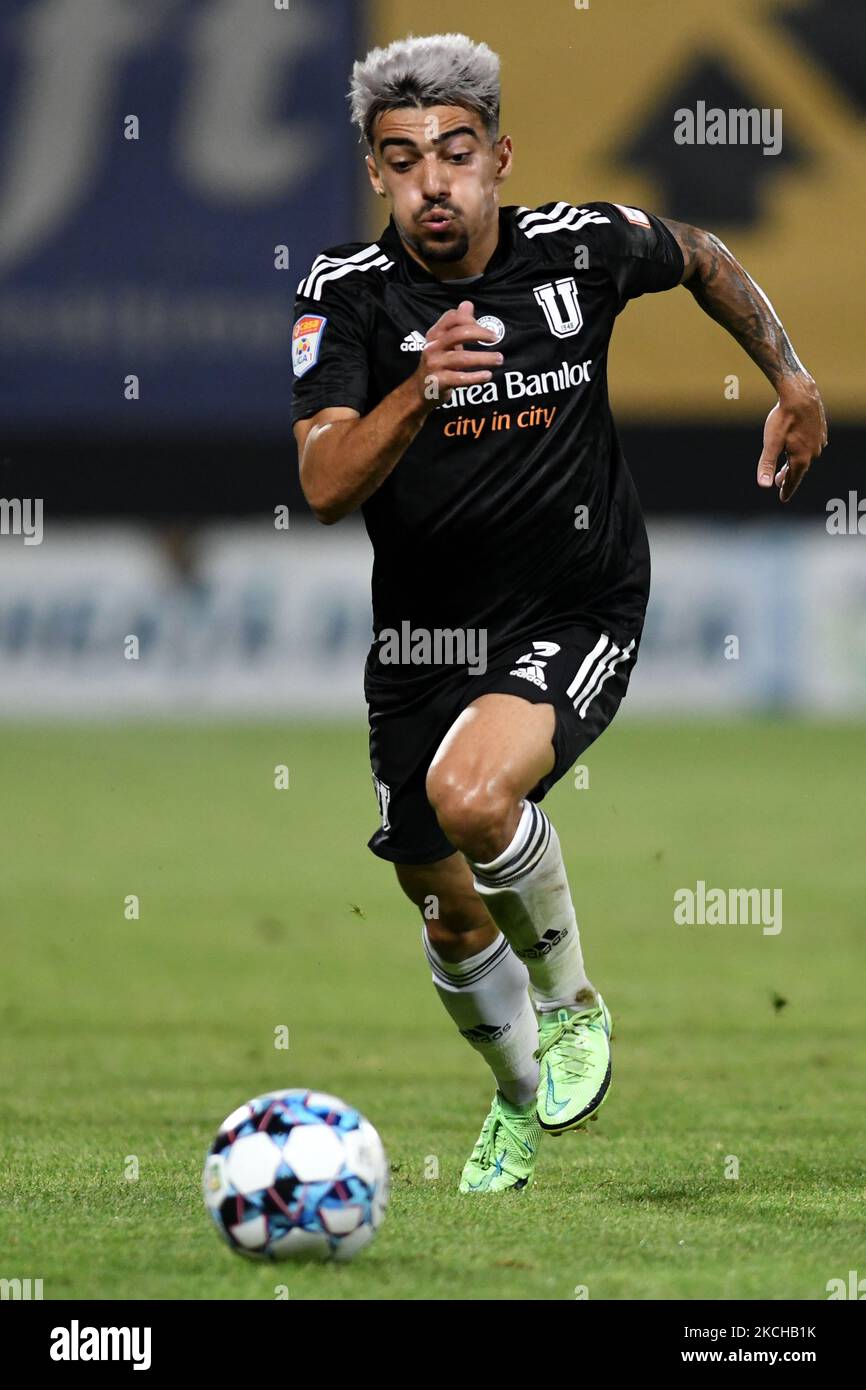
582,672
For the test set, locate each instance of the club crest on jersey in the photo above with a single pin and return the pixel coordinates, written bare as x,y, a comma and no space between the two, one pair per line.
495,325
558,299
306,341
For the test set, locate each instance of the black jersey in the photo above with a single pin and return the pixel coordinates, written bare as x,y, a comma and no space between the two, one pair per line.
513,508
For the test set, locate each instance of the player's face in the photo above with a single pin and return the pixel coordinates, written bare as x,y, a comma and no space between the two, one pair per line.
441,173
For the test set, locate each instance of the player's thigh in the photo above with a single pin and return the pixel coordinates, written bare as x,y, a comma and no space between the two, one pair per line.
498,748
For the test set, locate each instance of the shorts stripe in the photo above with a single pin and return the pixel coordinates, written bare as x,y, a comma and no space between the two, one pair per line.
611,661
574,690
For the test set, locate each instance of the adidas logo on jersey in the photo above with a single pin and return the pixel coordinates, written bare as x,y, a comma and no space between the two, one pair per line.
413,342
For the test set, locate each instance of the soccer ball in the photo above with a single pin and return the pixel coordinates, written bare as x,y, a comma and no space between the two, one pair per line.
296,1174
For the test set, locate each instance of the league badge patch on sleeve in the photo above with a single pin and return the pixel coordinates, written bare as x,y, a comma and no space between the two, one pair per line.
633,215
306,341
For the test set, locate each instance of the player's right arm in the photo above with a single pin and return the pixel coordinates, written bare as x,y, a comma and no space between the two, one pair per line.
344,456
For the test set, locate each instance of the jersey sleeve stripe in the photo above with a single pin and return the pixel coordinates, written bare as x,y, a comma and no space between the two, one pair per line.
325,260
360,260
573,220
536,216
381,263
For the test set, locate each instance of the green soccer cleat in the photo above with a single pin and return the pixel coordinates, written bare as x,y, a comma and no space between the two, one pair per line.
504,1156
574,1055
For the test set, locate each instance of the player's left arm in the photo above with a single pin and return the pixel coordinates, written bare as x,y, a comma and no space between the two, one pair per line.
797,425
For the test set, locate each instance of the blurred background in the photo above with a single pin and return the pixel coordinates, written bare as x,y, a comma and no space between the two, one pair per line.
167,173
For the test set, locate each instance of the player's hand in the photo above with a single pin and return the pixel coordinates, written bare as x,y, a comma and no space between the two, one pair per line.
797,428
446,363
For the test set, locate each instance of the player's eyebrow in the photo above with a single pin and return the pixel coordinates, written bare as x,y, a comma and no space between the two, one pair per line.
447,135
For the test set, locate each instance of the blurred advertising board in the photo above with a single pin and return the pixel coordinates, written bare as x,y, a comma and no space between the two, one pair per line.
252,621
167,173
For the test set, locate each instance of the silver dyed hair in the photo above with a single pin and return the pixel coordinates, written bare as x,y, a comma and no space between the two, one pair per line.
435,70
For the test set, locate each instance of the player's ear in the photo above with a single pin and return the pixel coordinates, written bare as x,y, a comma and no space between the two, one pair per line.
504,157
375,180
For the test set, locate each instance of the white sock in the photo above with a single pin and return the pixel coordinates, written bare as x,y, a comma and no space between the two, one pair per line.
526,892
487,996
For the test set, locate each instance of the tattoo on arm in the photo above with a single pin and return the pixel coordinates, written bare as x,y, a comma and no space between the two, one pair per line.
729,295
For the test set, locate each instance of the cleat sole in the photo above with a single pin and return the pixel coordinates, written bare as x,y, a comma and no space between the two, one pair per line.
572,1129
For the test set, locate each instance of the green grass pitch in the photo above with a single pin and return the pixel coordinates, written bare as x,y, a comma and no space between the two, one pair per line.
261,908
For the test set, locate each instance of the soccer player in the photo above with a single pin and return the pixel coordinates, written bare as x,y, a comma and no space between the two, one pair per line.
450,381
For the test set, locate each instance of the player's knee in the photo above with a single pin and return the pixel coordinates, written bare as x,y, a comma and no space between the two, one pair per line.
474,815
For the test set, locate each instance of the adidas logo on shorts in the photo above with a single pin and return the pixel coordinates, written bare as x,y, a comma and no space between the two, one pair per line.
530,673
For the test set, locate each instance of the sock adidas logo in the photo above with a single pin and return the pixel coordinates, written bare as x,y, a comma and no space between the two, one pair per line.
550,939
486,1032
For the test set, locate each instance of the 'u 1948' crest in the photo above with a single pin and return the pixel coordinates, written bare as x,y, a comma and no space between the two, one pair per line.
558,299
